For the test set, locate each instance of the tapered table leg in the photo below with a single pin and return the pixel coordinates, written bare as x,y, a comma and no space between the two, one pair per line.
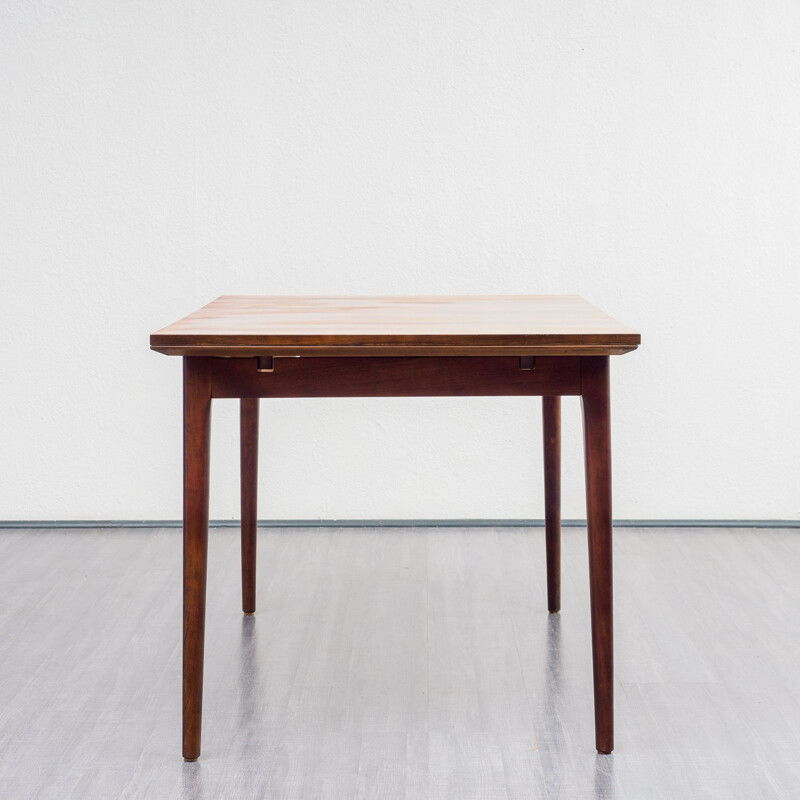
196,440
597,444
551,418
248,436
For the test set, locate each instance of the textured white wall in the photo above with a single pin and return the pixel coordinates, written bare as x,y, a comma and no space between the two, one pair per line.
645,155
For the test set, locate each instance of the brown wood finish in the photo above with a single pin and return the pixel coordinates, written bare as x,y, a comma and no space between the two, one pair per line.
378,376
382,347
425,326
196,452
248,458
399,349
597,445
551,424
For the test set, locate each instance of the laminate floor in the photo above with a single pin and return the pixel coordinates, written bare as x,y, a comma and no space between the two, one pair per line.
402,663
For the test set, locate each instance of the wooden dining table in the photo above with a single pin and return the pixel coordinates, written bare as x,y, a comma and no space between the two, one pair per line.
252,347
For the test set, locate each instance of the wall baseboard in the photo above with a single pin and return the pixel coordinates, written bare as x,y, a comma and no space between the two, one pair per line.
405,523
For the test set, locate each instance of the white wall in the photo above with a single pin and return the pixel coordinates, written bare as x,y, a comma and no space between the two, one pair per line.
155,155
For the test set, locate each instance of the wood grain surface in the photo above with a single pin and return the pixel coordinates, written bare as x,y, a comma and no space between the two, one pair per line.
595,399
238,325
248,461
551,439
196,460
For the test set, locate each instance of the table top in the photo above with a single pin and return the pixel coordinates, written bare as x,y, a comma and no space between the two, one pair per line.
241,325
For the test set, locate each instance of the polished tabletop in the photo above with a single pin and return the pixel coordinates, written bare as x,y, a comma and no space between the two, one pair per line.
234,325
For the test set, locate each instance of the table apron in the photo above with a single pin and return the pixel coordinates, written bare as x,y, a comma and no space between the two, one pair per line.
378,376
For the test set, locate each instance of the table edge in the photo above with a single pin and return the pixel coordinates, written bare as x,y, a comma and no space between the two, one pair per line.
617,345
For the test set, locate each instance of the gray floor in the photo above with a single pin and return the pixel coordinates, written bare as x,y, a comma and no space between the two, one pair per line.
404,663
